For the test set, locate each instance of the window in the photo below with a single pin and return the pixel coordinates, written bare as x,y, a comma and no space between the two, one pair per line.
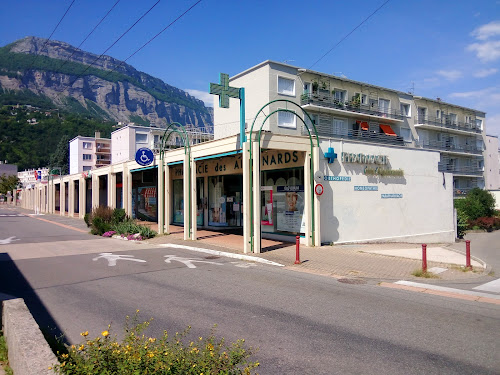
406,110
422,114
87,168
339,95
362,98
406,134
307,88
87,157
452,118
479,124
286,86
87,145
141,137
438,114
383,105
287,120
339,127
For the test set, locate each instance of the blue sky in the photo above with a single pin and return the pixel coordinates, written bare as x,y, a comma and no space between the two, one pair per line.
446,49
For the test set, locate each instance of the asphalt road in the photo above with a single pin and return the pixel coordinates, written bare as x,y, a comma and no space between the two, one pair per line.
301,323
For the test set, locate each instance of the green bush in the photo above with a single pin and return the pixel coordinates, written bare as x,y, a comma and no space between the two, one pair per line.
462,223
139,354
86,218
119,215
130,227
99,226
478,203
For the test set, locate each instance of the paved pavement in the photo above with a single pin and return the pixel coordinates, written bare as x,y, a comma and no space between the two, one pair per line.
377,262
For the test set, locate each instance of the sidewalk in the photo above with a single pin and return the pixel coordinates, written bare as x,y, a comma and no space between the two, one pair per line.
375,262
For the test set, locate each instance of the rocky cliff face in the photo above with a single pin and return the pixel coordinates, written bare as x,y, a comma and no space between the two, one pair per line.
110,88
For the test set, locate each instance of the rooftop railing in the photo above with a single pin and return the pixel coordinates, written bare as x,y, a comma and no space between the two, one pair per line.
326,100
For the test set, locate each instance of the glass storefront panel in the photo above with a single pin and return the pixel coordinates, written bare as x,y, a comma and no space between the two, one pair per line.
282,201
225,197
144,193
178,207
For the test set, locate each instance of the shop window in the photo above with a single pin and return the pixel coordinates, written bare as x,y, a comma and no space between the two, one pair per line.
225,196
178,196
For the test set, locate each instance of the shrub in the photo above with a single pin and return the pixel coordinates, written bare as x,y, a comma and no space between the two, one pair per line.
99,226
130,227
477,203
462,223
139,354
86,218
118,216
487,223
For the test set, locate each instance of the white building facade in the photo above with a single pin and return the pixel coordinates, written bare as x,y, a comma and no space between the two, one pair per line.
86,153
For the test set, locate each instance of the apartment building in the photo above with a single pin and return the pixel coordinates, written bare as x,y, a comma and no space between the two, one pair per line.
345,109
30,176
86,153
492,163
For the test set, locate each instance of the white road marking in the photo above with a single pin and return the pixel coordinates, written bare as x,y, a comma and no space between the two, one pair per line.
9,240
492,286
111,258
445,289
436,270
243,264
188,261
223,254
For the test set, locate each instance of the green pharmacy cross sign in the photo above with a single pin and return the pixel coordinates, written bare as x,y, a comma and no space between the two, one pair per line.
224,91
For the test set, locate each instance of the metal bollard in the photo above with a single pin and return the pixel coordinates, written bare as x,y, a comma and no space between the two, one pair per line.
467,255
297,251
424,257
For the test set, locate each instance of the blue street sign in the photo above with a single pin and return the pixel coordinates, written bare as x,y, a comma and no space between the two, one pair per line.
144,156
39,175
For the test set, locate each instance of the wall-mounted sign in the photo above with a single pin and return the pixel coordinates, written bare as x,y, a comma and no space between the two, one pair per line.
365,188
318,189
144,156
348,157
330,155
318,176
391,196
383,172
337,178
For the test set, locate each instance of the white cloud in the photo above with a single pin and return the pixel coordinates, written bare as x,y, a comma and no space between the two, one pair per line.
207,98
485,72
486,31
487,51
473,94
450,75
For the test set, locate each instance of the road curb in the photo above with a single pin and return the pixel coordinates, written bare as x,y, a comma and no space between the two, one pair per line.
223,254
29,352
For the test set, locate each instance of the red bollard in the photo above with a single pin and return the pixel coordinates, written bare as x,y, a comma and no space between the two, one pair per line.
424,257
297,253
467,255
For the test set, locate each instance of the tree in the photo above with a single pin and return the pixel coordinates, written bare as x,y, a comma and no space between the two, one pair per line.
8,183
477,203
60,157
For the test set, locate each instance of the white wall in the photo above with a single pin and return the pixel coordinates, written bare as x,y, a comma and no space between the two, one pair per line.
120,140
491,163
424,213
73,156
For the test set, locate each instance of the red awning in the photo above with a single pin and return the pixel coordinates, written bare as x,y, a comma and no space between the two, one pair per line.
363,124
387,130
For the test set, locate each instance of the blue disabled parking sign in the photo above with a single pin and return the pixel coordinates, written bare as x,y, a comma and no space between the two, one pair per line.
144,156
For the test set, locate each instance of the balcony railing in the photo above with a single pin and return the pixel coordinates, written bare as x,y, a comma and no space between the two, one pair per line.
448,146
447,123
326,100
464,170
361,135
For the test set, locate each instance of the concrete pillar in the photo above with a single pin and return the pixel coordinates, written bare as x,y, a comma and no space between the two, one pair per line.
62,199
317,198
246,197
128,193
14,197
95,191
194,208
82,198
168,199
307,199
256,198
71,198
112,190
185,182
160,198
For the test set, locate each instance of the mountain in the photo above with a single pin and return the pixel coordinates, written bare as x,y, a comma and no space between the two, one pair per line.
110,89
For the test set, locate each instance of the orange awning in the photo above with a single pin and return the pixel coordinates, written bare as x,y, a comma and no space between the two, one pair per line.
387,130
362,124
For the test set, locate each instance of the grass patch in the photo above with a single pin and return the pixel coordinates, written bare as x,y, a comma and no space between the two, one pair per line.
426,274
4,359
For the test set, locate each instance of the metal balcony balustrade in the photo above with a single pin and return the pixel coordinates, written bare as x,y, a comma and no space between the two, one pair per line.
326,100
447,123
461,192
359,135
465,170
448,146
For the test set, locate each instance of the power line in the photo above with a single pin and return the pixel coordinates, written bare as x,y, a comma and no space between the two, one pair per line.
53,31
153,38
345,37
116,41
89,34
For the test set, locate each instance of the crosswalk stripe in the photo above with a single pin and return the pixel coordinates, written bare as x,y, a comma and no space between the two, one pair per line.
492,286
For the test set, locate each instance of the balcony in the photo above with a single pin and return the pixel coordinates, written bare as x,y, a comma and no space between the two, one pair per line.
361,135
460,170
425,122
451,148
103,149
365,111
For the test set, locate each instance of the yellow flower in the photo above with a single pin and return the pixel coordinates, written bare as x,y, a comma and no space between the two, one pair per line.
151,355
50,368
81,347
152,339
105,333
137,311
85,334
73,347
63,364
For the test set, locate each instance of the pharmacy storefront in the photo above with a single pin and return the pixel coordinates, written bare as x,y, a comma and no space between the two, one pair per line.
219,187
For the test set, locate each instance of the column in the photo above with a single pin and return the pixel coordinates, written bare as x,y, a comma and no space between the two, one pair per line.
256,198
82,199
129,193
95,191
317,207
194,206
71,198
307,199
62,199
112,190
160,198
185,183
246,198
167,201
